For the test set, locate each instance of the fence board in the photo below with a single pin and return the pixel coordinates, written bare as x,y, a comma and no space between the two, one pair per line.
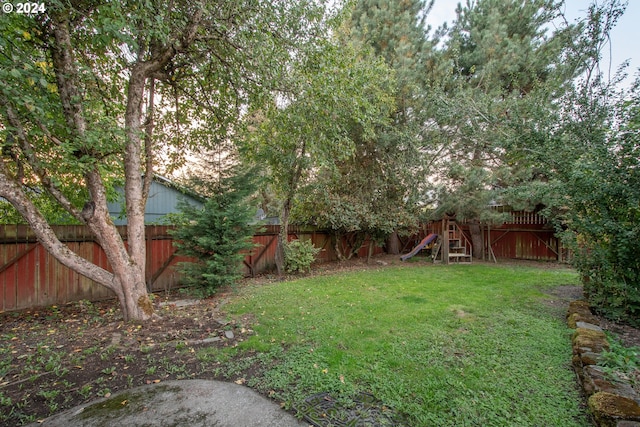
30,276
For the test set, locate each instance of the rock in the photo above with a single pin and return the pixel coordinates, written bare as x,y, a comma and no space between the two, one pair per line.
596,341
229,334
193,403
585,325
576,361
181,303
205,341
598,381
115,339
220,321
578,306
609,409
589,358
579,311
574,318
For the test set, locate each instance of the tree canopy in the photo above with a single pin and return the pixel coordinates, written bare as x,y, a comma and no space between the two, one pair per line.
502,69
373,192
95,91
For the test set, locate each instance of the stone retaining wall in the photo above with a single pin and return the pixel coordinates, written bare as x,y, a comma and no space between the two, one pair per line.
613,402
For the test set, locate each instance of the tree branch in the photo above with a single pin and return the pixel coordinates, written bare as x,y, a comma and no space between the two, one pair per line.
29,153
13,192
67,75
148,140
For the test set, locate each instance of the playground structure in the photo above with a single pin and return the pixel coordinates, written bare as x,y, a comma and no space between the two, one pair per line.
422,245
451,245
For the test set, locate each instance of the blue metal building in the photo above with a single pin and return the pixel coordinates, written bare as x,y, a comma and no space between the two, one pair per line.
164,195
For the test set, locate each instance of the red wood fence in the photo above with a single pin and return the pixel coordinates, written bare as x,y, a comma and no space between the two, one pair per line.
31,277
524,235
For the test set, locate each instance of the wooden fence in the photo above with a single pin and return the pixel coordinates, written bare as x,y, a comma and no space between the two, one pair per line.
31,277
524,235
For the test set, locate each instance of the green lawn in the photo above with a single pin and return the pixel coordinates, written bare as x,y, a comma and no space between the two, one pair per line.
469,345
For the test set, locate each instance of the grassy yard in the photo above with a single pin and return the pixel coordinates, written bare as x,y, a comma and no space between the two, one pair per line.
441,345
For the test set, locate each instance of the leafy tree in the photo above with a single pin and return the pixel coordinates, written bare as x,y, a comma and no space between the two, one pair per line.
603,222
330,91
219,234
591,188
371,194
359,200
91,88
50,210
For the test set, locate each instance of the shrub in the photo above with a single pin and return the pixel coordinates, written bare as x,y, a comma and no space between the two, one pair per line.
299,255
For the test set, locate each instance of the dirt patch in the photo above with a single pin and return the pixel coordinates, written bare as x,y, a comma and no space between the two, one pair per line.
629,335
59,357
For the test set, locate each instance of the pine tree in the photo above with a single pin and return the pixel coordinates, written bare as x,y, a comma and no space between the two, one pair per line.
219,234
396,31
502,68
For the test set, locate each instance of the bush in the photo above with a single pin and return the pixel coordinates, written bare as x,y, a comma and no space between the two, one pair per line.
299,255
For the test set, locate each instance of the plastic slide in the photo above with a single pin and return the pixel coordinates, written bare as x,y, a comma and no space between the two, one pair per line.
430,238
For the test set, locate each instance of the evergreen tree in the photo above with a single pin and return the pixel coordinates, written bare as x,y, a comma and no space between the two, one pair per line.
500,72
219,234
396,31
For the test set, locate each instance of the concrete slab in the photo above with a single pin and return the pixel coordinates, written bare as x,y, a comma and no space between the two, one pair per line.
191,403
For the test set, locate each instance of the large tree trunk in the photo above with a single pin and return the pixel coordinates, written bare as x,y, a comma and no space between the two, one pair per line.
393,244
283,237
127,261
476,239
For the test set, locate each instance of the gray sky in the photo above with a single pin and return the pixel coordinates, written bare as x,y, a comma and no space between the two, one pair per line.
624,39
